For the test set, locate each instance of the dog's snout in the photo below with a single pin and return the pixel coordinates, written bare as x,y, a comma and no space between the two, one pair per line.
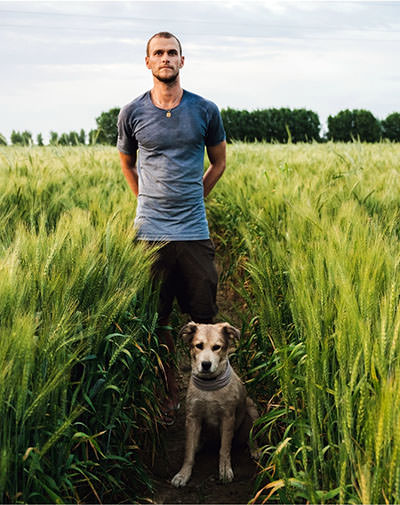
206,365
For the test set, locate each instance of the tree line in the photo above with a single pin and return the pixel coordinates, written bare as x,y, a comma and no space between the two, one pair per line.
301,125
105,133
270,125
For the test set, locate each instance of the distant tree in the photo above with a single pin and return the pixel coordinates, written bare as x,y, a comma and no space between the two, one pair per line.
107,127
281,125
341,126
259,125
3,141
82,136
73,138
39,139
367,126
24,138
391,127
53,138
248,126
16,138
97,137
92,137
63,139
349,125
27,138
305,125
231,120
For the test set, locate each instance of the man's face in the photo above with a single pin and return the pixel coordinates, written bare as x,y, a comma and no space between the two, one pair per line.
164,59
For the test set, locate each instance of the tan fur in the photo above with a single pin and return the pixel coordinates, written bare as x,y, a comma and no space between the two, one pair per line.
228,409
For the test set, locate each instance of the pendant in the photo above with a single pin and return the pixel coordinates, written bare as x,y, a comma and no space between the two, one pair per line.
168,114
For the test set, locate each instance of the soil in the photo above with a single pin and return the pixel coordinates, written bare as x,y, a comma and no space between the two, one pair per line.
204,485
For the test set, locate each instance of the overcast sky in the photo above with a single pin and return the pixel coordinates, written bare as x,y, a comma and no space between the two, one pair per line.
63,63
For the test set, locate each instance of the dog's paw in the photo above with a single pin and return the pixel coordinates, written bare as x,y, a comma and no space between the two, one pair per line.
225,473
180,479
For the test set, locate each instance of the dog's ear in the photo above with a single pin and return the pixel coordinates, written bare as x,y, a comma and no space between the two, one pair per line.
188,331
231,334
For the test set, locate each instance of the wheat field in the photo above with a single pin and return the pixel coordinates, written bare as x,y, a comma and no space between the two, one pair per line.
308,237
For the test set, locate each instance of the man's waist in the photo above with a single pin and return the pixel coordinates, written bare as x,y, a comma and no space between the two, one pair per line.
161,202
165,228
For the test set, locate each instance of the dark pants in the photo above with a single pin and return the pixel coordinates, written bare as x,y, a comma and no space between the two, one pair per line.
187,271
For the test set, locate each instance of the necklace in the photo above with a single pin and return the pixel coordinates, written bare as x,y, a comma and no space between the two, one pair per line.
168,111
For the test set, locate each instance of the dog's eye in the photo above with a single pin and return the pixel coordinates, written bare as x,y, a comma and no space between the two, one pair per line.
216,347
199,346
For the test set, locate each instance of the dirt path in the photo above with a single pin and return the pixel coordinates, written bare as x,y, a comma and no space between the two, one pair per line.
204,486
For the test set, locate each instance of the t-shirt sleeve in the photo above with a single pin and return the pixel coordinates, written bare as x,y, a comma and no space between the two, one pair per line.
215,131
126,142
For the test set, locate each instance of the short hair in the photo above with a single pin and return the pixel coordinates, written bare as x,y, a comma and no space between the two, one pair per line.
163,35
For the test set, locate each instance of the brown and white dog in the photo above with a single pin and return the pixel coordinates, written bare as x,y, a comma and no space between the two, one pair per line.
215,397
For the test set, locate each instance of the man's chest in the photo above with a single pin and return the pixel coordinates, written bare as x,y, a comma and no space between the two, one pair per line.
160,131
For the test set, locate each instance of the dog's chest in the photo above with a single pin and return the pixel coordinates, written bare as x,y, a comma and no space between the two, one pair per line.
209,410
211,406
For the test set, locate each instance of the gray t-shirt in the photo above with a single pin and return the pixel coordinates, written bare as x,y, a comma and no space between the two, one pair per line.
170,163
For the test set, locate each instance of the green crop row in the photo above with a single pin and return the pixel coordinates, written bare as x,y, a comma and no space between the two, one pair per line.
80,379
310,237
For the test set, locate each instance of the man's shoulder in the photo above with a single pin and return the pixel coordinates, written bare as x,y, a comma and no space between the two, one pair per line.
200,100
134,105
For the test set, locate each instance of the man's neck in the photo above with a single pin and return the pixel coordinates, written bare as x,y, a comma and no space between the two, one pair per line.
166,95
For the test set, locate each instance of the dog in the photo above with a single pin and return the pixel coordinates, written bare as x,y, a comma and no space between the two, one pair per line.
216,397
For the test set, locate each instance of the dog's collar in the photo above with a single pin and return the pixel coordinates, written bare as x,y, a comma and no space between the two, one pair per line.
214,383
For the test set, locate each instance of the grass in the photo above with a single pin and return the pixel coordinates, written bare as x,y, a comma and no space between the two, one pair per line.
318,232
308,235
79,353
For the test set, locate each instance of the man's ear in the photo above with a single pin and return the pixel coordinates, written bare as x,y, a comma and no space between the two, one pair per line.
188,331
231,334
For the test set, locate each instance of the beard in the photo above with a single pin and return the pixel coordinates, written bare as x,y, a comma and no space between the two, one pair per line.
167,80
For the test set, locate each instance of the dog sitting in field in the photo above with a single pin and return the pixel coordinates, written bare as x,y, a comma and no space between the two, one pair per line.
216,397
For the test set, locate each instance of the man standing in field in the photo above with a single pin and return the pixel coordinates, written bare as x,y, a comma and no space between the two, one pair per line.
170,127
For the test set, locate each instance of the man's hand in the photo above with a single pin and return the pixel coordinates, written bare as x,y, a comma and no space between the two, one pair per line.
128,165
217,157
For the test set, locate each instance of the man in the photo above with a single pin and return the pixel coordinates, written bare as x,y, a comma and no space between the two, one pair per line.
170,128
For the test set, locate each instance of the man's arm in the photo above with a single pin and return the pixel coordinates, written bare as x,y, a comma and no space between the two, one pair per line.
217,157
128,165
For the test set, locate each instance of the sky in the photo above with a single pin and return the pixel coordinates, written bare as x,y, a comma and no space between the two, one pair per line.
65,62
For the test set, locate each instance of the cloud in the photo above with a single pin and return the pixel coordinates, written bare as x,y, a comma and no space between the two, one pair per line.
65,62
